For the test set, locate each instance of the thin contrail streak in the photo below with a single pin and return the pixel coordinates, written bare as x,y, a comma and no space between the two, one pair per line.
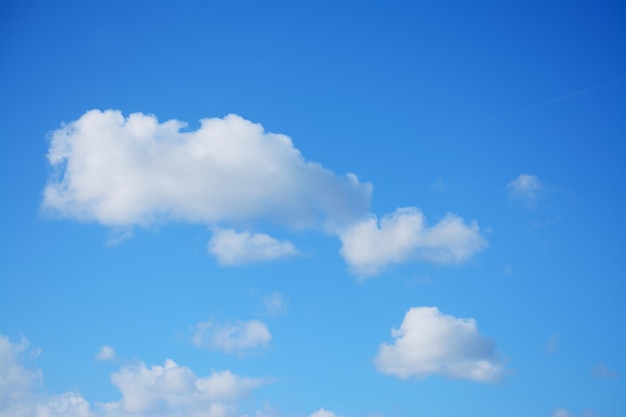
542,104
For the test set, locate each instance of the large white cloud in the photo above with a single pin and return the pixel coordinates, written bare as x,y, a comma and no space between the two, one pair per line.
236,248
133,171
232,337
130,171
157,391
402,236
431,343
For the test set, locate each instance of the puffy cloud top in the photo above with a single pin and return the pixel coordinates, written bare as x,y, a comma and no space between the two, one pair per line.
158,391
175,387
371,245
133,171
431,343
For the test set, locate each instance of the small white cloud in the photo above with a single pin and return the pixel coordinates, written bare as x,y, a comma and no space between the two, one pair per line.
275,304
525,188
235,337
431,343
324,413
106,353
128,171
233,248
402,236
561,413
600,371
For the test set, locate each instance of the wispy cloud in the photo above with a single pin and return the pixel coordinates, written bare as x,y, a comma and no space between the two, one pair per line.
324,413
231,337
431,343
275,304
438,185
553,344
525,188
561,412
600,371
237,248
403,236
106,353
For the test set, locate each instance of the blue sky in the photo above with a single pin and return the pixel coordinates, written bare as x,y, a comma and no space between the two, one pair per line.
312,209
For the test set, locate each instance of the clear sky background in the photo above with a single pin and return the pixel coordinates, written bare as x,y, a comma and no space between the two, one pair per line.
414,209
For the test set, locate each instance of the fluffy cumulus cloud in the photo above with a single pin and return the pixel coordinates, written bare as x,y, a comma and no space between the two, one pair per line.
233,337
157,391
234,248
124,171
525,187
431,343
402,236
230,173
161,390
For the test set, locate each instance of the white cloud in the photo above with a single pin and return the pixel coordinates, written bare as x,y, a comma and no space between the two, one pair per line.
106,353
161,390
561,413
525,187
324,413
158,391
239,336
230,173
122,172
431,343
600,371
402,236
275,304
233,248
18,397
16,381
